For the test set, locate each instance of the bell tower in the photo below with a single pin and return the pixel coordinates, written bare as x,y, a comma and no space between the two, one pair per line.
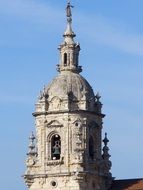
66,151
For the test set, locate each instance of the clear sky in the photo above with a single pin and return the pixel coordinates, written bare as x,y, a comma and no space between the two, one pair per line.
111,37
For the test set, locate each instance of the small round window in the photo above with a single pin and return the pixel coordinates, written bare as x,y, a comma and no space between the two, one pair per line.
53,183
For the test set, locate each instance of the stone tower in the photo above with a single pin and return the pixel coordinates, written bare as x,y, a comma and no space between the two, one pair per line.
66,153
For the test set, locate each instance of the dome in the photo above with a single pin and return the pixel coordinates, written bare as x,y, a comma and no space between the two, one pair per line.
69,83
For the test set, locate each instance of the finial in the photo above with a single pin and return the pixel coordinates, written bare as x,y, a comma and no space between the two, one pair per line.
105,140
32,137
98,96
98,103
43,93
32,145
106,154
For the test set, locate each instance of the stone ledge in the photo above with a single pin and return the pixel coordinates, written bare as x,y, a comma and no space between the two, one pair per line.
55,162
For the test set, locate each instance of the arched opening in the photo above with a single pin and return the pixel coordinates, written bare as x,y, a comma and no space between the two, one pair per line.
91,147
65,59
55,147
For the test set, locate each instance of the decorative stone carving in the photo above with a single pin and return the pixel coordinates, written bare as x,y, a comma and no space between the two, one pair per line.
29,180
54,123
55,103
42,181
30,162
67,115
55,162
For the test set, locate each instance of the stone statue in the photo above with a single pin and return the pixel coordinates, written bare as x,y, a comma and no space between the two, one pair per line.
68,10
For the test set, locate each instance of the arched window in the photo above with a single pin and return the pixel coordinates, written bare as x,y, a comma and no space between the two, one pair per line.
91,147
55,147
65,59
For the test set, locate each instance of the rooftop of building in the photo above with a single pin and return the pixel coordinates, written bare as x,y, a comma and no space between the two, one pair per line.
127,184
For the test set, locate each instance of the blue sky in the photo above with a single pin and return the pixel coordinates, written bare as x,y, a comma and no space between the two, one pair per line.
111,37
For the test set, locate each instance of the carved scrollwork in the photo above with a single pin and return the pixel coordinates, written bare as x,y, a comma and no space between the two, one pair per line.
78,139
29,180
55,103
30,162
42,181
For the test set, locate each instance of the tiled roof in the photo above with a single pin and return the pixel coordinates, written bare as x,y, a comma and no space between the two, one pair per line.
127,184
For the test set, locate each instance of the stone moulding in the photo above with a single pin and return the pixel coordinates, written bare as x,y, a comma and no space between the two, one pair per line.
67,111
55,162
29,180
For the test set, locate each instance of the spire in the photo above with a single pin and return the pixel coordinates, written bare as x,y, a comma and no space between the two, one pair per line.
105,140
69,34
69,50
106,156
32,147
